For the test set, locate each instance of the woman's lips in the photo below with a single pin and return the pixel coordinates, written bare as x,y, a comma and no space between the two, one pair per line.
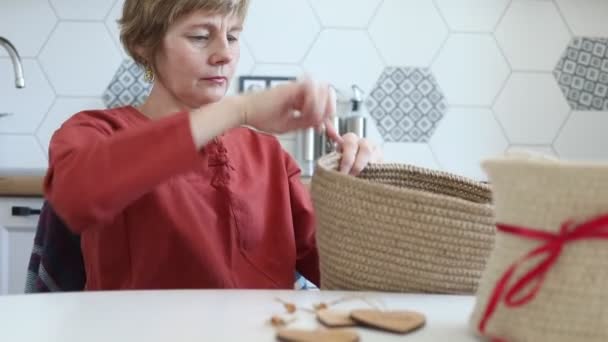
219,80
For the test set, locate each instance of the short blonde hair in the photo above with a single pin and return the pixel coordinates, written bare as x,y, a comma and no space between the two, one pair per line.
145,22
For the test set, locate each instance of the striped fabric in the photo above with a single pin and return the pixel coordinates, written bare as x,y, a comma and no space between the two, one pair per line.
56,261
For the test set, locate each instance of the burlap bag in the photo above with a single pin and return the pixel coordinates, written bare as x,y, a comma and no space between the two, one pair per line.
561,293
401,228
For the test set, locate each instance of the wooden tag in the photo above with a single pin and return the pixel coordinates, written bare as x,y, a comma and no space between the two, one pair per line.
335,335
393,321
335,319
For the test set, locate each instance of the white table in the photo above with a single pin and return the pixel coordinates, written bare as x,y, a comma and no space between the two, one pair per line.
201,316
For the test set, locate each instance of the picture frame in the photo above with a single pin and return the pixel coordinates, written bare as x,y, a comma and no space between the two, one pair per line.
257,83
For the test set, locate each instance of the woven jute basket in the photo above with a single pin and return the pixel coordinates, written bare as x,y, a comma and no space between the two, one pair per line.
559,293
400,228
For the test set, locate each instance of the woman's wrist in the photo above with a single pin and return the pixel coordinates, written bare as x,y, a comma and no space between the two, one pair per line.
216,118
241,105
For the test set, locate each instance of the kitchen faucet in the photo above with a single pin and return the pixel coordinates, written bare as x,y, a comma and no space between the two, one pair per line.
12,52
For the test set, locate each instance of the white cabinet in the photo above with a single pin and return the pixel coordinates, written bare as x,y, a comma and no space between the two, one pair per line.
16,241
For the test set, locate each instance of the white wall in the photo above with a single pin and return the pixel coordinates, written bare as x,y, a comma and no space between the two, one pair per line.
488,63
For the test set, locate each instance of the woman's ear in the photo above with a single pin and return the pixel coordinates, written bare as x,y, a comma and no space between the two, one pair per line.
141,52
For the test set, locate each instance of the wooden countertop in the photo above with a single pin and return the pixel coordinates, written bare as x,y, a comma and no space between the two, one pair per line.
21,185
32,185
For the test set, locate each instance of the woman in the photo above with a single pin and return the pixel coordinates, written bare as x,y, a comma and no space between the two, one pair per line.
175,193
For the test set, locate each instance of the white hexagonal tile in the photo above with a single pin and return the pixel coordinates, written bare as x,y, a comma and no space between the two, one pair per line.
112,24
471,70
84,68
290,146
410,153
287,136
584,137
82,9
472,15
27,24
542,150
21,153
27,105
279,70
532,35
464,138
531,108
585,17
276,35
244,67
345,13
344,58
63,109
408,32
246,60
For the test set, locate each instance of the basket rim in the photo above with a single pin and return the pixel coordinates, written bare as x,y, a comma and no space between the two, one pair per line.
324,167
532,162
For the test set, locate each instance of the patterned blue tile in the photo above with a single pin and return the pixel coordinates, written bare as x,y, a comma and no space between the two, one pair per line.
127,87
582,74
406,104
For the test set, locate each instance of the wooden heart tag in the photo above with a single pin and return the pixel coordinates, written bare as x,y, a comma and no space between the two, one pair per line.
337,335
335,319
393,321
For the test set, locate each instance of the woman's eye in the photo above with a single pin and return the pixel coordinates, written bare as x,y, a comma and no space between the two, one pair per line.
232,38
199,38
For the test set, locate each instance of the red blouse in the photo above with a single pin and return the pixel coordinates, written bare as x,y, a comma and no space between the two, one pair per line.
155,213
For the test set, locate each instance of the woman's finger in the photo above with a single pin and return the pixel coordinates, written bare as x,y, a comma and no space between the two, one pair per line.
364,156
330,112
349,149
308,94
307,105
331,104
322,99
332,132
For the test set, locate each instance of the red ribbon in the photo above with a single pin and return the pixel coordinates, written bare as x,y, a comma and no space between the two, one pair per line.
552,248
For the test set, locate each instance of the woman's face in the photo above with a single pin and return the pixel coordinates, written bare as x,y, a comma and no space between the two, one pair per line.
198,57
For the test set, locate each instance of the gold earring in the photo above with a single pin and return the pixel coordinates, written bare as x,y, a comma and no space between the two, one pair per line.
149,74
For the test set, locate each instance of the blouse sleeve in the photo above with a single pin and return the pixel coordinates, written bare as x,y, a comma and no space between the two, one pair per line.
96,172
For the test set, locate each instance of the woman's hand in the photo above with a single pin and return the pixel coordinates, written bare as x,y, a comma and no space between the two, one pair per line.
357,153
298,105
304,104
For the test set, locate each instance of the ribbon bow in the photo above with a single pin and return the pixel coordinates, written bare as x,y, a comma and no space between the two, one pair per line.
552,248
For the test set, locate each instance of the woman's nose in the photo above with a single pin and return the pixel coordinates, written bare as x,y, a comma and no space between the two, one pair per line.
222,53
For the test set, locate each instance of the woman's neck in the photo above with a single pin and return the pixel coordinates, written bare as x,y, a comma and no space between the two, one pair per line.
161,103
